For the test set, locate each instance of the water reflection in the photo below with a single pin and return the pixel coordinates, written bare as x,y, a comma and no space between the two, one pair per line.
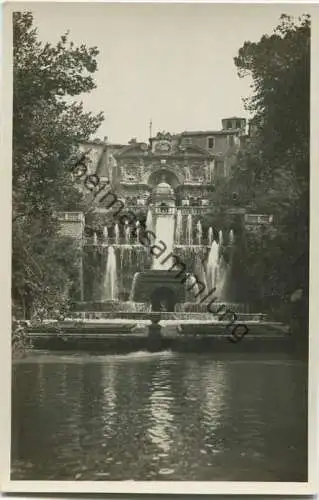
159,416
108,399
214,386
161,422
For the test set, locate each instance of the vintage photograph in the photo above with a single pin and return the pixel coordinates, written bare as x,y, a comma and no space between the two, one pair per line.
160,242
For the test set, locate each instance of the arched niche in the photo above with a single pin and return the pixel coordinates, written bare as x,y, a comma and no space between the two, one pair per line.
163,299
172,177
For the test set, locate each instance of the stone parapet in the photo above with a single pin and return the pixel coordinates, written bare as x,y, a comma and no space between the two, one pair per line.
71,224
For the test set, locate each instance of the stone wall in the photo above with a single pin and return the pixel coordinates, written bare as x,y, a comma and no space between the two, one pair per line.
221,142
72,224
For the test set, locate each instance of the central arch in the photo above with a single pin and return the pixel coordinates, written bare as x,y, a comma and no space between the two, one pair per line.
163,299
172,177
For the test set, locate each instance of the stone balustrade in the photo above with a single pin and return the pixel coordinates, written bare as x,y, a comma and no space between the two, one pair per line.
134,243
144,314
256,219
70,217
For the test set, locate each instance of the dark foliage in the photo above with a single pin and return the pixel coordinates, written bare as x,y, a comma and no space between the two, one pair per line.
47,126
272,174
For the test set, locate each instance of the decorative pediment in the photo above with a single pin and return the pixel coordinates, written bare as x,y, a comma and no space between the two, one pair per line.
163,136
162,143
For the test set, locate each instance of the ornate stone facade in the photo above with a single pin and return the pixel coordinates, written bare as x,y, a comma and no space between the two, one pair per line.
167,185
190,162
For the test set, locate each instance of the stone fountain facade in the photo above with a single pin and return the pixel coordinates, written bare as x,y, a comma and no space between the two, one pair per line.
168,184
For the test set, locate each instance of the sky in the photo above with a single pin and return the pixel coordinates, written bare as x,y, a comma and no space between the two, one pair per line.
172,63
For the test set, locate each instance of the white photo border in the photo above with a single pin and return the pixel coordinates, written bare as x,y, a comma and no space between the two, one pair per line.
153,487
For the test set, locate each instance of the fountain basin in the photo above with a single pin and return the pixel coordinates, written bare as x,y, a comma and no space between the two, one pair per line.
120,335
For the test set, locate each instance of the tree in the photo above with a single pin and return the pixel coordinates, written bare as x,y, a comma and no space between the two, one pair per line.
280,69
273,169
48,125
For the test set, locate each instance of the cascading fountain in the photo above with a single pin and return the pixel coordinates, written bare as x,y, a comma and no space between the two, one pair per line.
224,268
189,230
109,291
117,234
165,223
105,234
179,227
199,232
212,265
131,296
162,221
205,254
220,238
217,268
127,249
121,249
200,270
130,254
149,221
127,233
210,236
223,273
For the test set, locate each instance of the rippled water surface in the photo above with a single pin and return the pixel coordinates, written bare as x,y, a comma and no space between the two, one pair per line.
159,416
